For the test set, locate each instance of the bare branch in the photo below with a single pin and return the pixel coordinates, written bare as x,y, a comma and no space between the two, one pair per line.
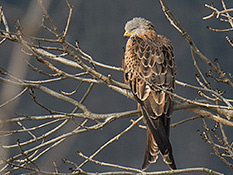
46,131
174,22
15,97
110,141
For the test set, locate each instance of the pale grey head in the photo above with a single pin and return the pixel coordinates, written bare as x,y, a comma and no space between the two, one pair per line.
136,26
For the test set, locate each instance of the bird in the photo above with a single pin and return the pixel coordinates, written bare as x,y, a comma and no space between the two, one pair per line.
149,70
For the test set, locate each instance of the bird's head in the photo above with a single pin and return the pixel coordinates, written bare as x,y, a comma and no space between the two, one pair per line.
136,26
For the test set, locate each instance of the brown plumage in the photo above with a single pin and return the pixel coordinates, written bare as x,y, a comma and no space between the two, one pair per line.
148,63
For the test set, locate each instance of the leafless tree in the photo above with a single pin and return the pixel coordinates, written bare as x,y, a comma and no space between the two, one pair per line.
54,51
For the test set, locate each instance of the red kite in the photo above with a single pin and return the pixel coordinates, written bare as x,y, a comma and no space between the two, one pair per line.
149,69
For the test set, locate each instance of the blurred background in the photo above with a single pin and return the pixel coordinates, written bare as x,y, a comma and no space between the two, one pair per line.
99,27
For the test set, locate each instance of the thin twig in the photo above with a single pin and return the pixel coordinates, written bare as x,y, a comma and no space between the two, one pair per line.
174,22
108,164
110,141
15,97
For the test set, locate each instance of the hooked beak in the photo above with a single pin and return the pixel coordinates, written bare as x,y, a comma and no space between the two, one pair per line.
127,34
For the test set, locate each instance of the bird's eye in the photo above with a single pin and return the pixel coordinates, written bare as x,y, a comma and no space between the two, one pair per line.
133,29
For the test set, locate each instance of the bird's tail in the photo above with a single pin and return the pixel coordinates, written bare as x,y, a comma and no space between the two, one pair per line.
157,141
152,150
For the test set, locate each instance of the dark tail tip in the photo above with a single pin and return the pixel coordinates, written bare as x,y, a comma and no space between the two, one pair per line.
145,166
172,166
169,160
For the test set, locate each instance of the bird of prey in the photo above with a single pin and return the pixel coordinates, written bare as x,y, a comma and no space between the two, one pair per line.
149,70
